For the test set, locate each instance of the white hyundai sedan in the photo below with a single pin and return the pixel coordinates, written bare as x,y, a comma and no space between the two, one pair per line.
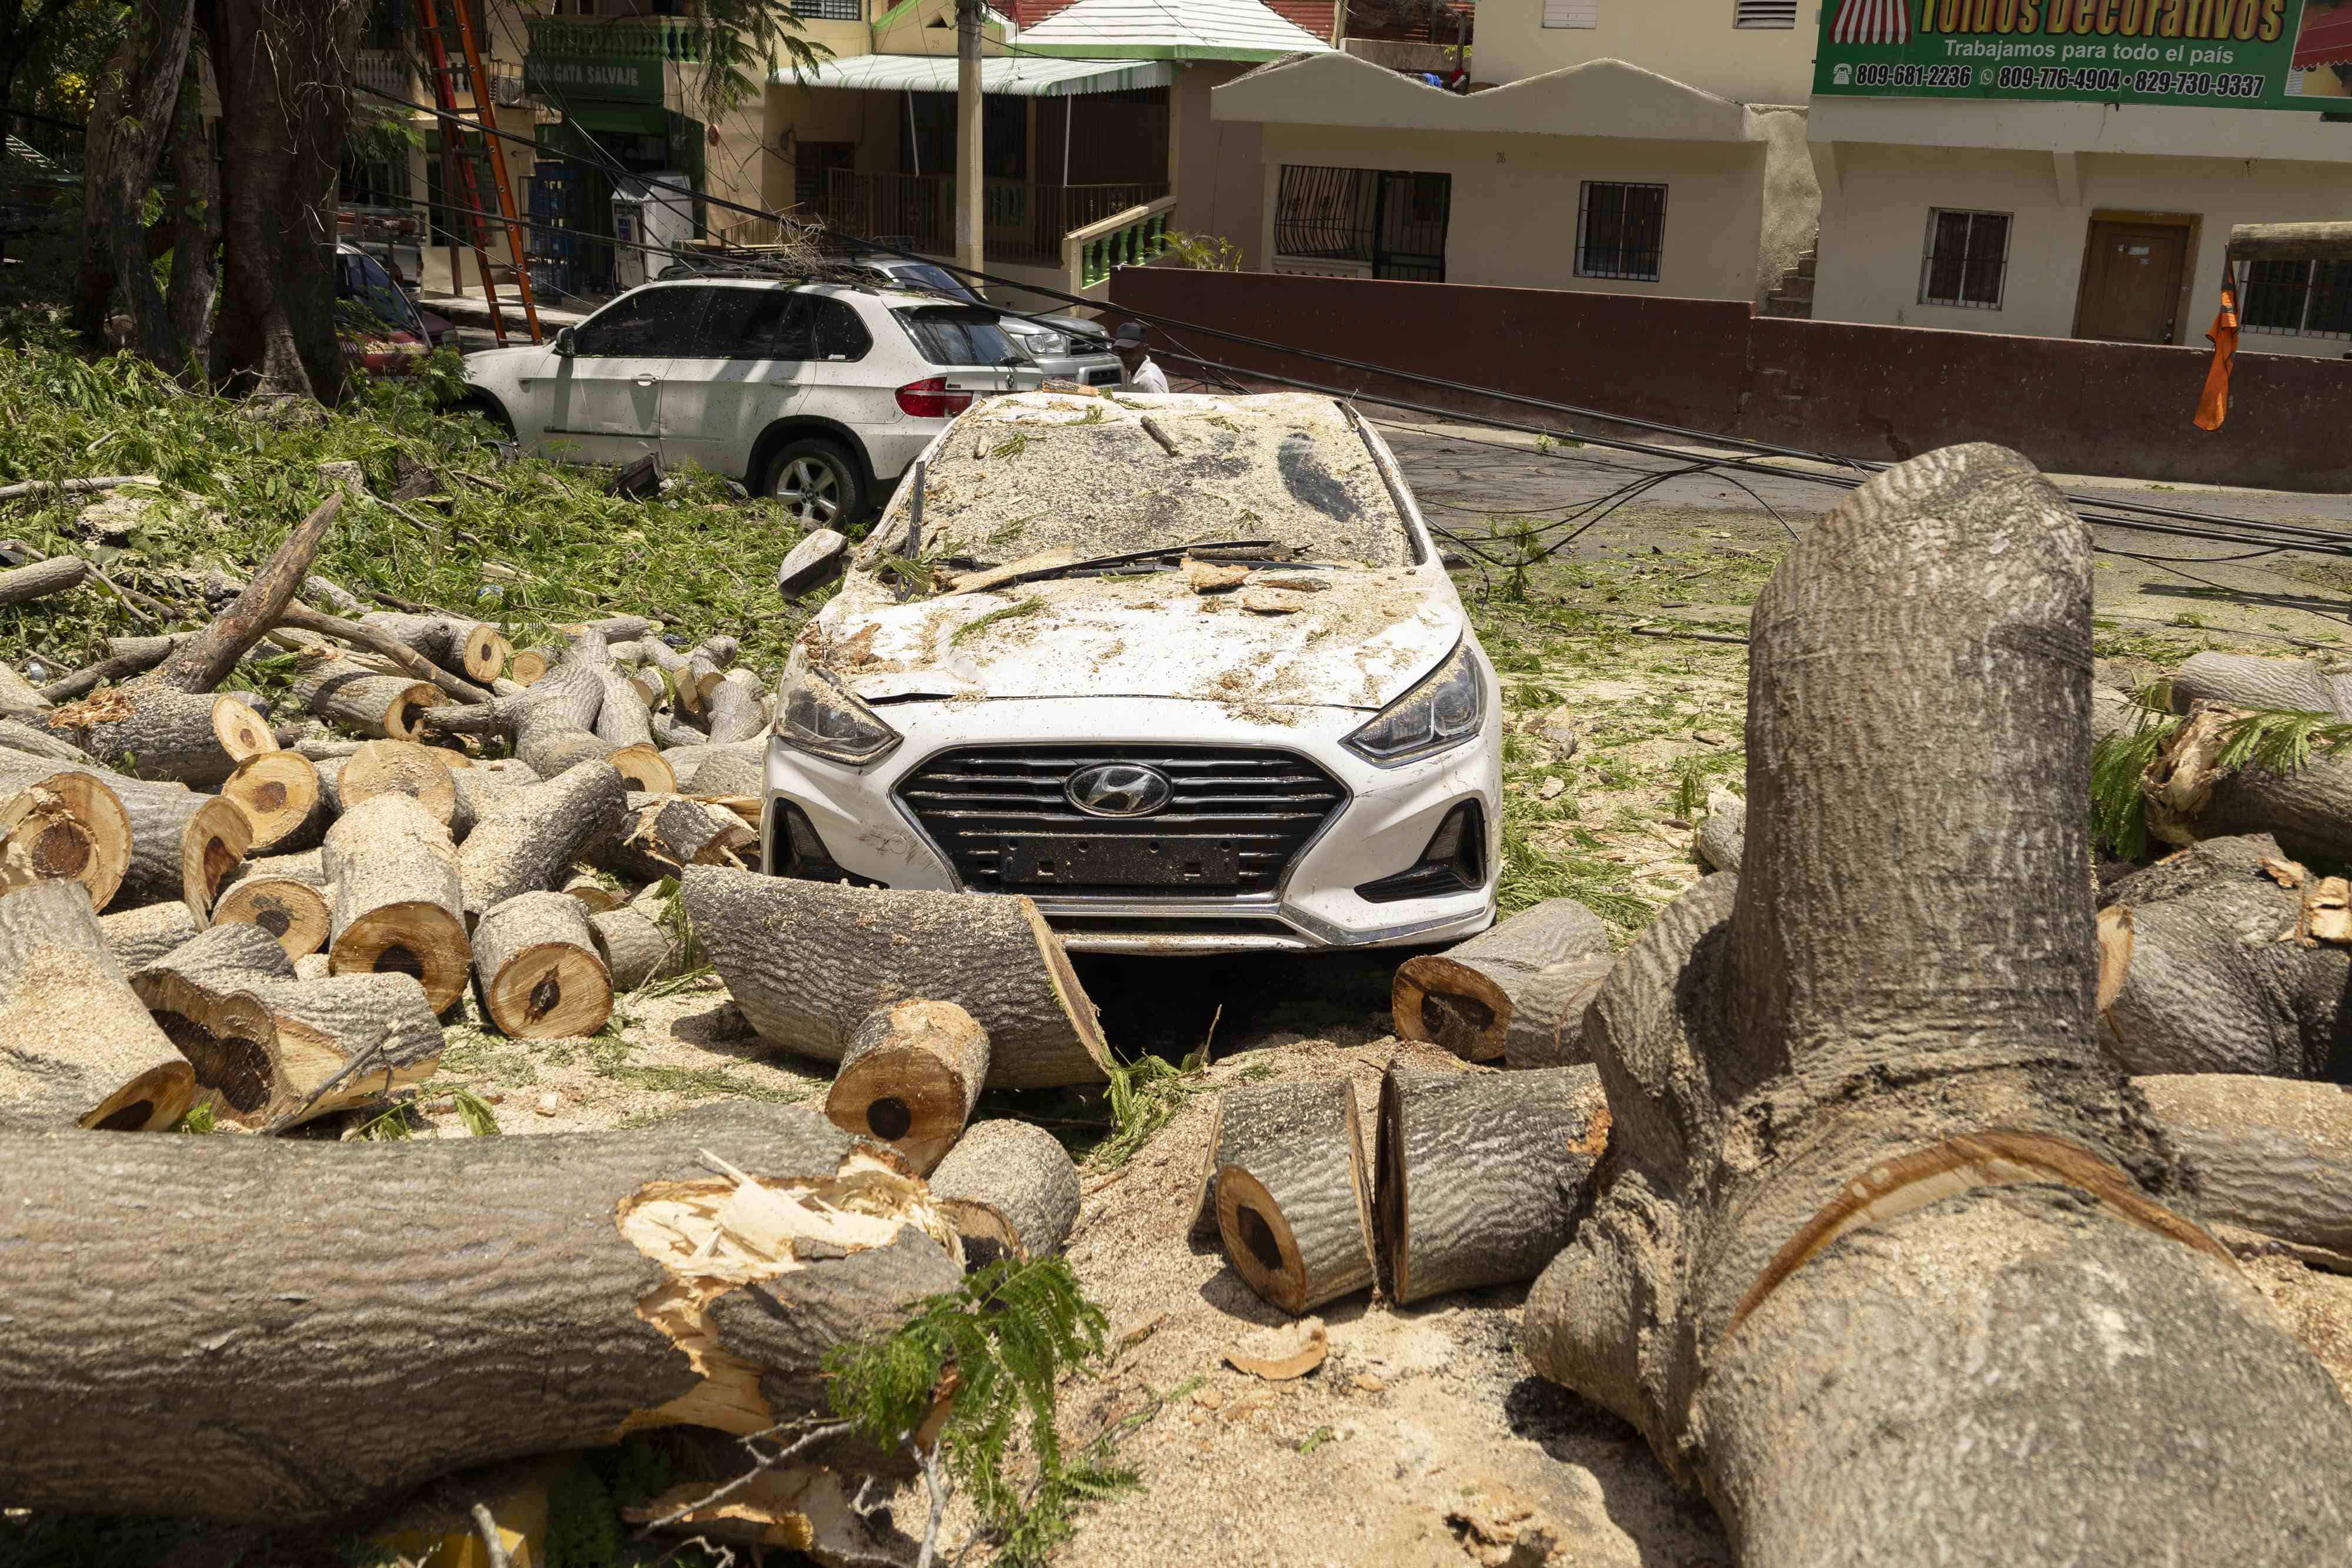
1186,670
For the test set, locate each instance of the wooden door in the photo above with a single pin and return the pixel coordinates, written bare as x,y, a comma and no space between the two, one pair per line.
2131,282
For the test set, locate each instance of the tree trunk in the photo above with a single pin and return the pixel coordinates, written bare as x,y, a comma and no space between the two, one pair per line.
621,717
136,97
137,937
737,712
1010,1190
156,733
2200,973
2308,810
537,970
1482,1175
909,1077
1294,1213
357,698
203,661
59,823
183,845
1880,1256
637,949
125,657
32,740
186,1314
195,224
1472,999
2245,680
397,904
279,793
2273,1159
808,961
77,1047
43,579
529,843
732,772
469,648
283,71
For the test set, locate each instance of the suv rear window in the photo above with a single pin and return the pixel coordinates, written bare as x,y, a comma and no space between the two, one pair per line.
946,335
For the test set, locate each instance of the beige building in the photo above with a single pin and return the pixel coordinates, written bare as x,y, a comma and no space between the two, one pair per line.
2074,219
1607,146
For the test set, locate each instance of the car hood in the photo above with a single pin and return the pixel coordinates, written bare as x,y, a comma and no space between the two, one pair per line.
1360,639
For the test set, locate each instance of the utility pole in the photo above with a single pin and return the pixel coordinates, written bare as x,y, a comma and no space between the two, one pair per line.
967,189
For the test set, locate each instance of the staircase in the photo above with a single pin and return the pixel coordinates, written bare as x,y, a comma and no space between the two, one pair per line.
1793,298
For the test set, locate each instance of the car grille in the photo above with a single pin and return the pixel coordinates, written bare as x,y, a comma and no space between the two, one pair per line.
1246,812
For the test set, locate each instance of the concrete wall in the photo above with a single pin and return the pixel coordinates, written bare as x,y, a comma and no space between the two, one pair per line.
1866,391
1515,199
1219,182
1875,229
1689,40
1793,194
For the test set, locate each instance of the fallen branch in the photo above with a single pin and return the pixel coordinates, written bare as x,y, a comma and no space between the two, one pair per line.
204,660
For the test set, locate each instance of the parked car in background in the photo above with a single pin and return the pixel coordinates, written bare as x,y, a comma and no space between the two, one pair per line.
1187,670
381,329
819,394
1065,347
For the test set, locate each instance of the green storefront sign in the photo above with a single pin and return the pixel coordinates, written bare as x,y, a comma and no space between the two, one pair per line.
606,77
2211,54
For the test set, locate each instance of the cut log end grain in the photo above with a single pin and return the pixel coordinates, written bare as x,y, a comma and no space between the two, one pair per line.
527,668
1482,1174
398,767
643,770
243,732
1468,999
537,969
1010,1190
397,900
910,1078
295,912
63,826
77,1047
279,793
1295,1215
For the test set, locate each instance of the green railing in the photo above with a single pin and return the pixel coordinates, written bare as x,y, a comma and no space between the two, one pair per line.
623,37
1122,241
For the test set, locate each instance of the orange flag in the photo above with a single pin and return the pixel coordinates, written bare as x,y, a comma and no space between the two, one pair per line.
2213,405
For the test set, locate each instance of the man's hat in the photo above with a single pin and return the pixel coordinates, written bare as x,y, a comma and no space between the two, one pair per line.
1129,336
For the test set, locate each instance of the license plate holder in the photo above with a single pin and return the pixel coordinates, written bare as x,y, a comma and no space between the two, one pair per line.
1076,859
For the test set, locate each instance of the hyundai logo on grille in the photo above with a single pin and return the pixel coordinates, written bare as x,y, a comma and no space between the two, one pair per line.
1120,789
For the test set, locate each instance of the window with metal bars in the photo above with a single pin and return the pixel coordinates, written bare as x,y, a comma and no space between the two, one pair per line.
2298,298
1620,230
830,10
1967,259
1763,13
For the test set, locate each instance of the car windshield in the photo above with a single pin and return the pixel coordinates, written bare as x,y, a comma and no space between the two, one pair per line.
362,279
923,275
949,335
1046,474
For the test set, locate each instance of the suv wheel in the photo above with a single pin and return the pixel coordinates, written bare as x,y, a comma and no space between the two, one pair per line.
817,482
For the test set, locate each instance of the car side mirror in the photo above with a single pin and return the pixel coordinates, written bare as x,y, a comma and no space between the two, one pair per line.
563,341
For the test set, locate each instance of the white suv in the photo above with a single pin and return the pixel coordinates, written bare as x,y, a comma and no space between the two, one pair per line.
818,394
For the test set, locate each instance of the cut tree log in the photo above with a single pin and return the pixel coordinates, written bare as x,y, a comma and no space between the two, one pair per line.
42,578
2272,1158
621,717
663,834
910,1076
807,961
638,947
738,709
815,560
2199,971
77,1047
537,969
204,660
398,906
1482,1175
642,767
724,770
1295,1212
160,734
1473,997
528,844
138,937
1722,838
2246,681
31,740
62,823
400,768
279,792
473,649
124,1261
2190,796
486,788
299,624
526,667
183,845
350,695
299,914
1010,1190
125,657
1871,1184
276,1051
595,897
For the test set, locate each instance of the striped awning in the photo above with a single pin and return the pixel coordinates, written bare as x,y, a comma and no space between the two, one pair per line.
1873,22
1018,76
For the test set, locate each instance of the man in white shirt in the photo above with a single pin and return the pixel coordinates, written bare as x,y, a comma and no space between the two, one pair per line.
1137,373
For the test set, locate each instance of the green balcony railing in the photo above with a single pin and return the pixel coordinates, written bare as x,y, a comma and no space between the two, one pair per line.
669,38
1136,244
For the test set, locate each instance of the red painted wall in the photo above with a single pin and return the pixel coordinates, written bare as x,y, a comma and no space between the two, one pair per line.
1877,393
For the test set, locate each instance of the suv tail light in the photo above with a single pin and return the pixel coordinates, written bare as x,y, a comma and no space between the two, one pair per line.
931,398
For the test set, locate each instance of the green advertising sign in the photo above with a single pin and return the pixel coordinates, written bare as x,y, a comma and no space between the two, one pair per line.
607,78
2211,54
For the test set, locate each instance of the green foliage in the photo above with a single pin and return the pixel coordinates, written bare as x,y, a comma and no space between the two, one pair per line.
1009,1334
1145,1095
203,1116
584,1525
2118,812
2281,740
1204,253
1012,611
475,1113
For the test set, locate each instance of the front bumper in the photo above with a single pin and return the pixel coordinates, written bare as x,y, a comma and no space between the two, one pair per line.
1087,369
1388,817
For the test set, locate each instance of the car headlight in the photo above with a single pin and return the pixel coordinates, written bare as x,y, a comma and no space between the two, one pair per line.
1042,342
818,715
1446,708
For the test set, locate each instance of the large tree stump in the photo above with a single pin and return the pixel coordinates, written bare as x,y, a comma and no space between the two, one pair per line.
1010,1190
77,1047
1295,1212
537,969
1472,999
183,845
279,793
528,844
808,961
1881,1256
194,1321
398,904
910,1076
1482,1175
2200,972
62,823
157,733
